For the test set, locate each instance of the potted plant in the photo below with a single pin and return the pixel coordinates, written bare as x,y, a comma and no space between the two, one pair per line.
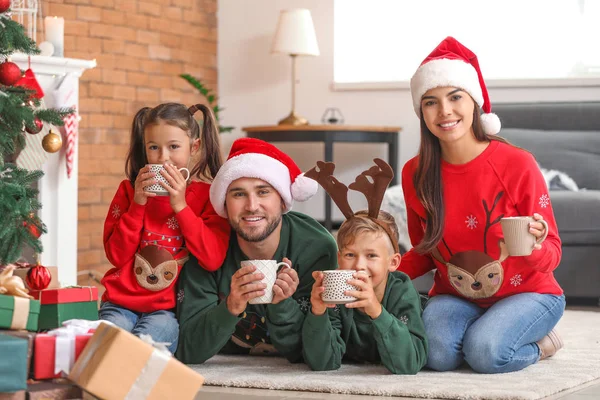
210,97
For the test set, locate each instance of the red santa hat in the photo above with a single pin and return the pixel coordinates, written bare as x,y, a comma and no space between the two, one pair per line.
253,158
452,64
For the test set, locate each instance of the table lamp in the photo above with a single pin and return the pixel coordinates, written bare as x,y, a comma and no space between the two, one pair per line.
295,35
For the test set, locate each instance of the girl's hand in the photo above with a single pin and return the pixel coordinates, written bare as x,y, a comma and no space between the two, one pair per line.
318,307
366,300
537,229
145,178
177,188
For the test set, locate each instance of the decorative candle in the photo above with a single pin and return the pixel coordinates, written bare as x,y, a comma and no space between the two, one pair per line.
55,34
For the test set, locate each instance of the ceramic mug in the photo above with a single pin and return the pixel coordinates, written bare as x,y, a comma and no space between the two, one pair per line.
157,188
335,283
269,269
519,241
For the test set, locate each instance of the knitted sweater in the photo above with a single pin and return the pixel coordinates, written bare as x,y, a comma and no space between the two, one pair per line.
130,227
206,325
503,181
395,339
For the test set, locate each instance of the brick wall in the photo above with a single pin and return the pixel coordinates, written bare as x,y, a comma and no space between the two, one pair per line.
141,47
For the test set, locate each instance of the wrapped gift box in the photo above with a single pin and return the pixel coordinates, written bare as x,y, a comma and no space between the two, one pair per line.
45,360
59,305
29,336
22,273
19,313
53,390
75,294
53,315
144,371
13,363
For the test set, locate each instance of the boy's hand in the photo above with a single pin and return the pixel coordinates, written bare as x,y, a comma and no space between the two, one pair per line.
177,188
366,299
317,305
245,286
145,178
286,283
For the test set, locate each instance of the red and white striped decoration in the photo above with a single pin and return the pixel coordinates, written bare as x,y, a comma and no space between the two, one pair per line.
69,131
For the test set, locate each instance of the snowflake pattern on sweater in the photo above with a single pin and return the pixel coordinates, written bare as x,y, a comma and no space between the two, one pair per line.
471,222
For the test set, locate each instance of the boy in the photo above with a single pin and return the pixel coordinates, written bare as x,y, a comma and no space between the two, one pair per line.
384,324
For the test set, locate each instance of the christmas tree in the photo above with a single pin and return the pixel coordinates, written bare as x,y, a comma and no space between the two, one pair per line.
20,115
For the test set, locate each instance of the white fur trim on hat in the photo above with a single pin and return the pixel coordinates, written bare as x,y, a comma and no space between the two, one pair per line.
444,72
250,165
490,123
304,188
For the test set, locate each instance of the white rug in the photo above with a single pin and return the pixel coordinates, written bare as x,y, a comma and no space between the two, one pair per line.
576,364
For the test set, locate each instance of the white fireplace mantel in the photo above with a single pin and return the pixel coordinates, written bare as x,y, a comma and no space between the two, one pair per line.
58,194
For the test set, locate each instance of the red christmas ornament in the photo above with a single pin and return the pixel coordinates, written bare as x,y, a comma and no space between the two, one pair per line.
33,229
4,5
38,125
38,277
9,73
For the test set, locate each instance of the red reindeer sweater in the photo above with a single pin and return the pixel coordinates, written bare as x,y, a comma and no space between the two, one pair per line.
130,227
503,181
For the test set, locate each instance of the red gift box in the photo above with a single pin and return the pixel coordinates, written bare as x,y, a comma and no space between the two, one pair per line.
66,295
45,354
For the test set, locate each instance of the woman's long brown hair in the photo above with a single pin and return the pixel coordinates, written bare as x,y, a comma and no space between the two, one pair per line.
428,181
178,115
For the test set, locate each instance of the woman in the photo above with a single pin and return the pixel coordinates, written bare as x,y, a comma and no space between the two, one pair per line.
491,310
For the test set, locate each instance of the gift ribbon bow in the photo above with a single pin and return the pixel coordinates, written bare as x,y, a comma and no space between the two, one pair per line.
64,356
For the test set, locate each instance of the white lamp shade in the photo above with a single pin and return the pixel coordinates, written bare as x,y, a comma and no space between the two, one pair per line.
295,34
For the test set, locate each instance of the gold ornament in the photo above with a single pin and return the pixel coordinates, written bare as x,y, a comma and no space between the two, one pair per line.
52,142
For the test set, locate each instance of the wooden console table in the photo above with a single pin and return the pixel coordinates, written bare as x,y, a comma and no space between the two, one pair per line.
330,134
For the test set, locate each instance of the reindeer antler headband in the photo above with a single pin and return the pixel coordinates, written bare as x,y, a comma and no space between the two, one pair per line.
381,175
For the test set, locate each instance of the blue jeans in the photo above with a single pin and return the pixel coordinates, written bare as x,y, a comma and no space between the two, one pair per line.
494,340
161,325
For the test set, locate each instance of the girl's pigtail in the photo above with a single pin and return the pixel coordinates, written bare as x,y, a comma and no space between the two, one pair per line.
210,158
136,156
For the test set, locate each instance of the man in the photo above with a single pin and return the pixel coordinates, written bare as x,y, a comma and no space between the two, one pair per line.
254,189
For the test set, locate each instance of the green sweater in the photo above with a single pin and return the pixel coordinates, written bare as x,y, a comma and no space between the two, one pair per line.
396,338
206,326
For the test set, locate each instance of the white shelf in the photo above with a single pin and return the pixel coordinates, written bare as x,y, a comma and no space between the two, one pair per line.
44,65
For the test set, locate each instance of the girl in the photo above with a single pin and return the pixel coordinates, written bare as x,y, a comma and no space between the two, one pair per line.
147,237
493,311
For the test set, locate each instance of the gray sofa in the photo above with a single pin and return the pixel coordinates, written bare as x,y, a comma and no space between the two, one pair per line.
564,137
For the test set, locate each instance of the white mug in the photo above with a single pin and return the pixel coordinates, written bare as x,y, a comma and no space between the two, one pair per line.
269,269
157,188
519,241
336,283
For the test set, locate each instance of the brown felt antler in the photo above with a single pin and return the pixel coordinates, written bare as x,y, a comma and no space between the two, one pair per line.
381,174
323,174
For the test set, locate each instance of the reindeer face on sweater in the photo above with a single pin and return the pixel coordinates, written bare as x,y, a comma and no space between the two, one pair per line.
155,268
479,277
474,274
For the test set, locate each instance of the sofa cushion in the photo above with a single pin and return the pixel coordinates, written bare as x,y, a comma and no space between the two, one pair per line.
577,153
577,216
